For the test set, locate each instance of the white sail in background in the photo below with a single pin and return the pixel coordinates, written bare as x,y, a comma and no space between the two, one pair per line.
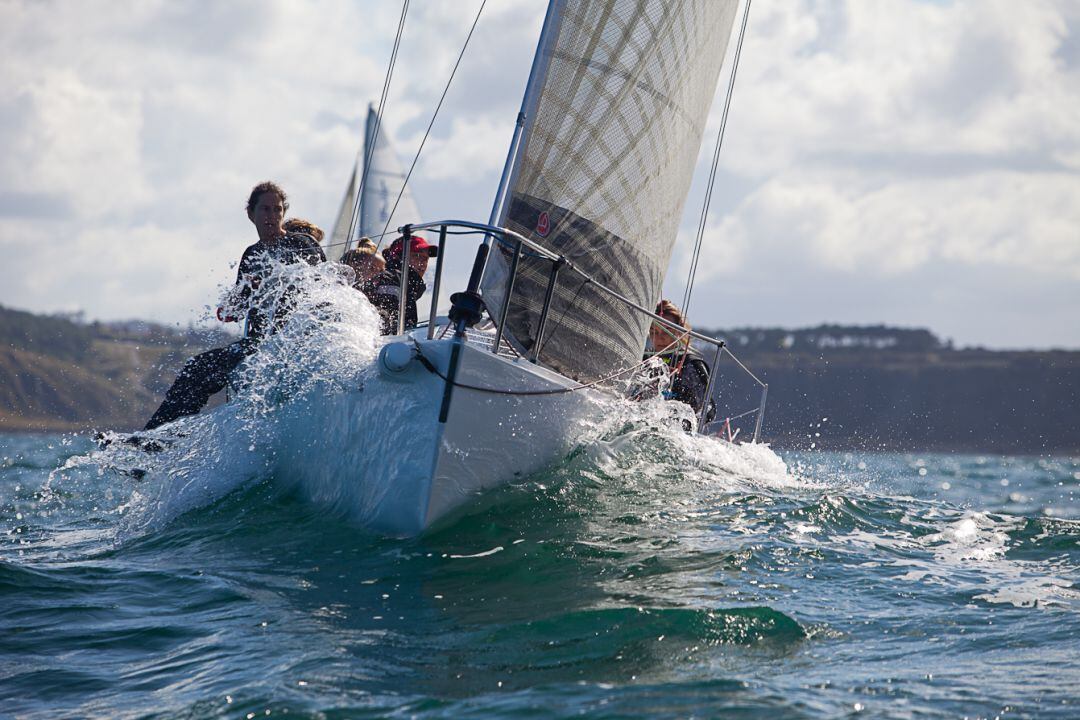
614,121
381,185
385,177
337,240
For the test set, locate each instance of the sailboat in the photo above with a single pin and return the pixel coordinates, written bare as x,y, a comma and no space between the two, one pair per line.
569,267
377,197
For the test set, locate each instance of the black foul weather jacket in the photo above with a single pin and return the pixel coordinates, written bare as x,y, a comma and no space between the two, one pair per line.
209,372
256,265
384,291
690,383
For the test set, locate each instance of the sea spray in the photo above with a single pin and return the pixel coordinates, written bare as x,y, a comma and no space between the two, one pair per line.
324,346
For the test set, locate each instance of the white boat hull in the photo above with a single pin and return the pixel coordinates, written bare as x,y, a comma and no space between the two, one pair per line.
492,438
403,466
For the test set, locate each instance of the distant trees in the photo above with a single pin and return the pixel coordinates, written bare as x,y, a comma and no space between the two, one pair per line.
832,337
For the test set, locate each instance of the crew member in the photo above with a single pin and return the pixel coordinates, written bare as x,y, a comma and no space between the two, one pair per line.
689,371
386,286
300,225
208,372
366,263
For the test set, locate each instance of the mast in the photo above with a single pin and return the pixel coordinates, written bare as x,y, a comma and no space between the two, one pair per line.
366,211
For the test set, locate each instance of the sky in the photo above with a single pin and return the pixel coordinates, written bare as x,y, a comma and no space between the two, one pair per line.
904,162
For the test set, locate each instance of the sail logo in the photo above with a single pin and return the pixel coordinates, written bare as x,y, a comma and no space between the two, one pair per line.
543,224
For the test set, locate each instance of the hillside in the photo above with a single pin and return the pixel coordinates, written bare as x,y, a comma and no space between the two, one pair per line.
60,374
888,388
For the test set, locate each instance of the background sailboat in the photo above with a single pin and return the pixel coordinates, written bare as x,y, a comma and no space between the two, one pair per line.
378,176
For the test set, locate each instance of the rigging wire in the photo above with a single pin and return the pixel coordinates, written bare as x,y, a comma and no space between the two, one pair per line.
370,150
434,115
715,162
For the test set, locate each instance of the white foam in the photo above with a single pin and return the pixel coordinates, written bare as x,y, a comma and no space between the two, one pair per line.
325,348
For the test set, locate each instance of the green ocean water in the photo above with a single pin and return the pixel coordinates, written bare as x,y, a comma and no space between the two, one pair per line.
645,575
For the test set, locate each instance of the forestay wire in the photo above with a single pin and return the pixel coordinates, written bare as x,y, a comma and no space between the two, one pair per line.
715,162
369,147
434,115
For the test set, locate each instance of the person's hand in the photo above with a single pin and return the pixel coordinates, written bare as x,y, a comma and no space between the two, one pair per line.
223,317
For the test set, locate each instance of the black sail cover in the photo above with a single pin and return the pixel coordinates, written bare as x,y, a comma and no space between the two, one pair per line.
614,122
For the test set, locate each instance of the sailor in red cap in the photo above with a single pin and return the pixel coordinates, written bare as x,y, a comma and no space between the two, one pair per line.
386,286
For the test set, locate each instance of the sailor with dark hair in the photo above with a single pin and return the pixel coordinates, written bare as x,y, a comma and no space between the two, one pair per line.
209,372
385,288
689,371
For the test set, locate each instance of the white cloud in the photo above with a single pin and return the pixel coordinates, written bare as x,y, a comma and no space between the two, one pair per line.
886,77
1020,220
476,145
869,138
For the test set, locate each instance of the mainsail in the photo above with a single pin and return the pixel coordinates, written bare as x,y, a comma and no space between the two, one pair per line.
381,184
615,113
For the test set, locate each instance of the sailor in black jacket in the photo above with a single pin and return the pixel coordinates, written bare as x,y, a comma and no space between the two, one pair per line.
689,371
208,372
267,308
384,290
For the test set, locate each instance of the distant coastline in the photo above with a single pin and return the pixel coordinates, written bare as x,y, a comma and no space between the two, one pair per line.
881,388
59,374
831,387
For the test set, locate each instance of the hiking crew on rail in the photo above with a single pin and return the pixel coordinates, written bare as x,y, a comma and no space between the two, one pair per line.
208,372
688,370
